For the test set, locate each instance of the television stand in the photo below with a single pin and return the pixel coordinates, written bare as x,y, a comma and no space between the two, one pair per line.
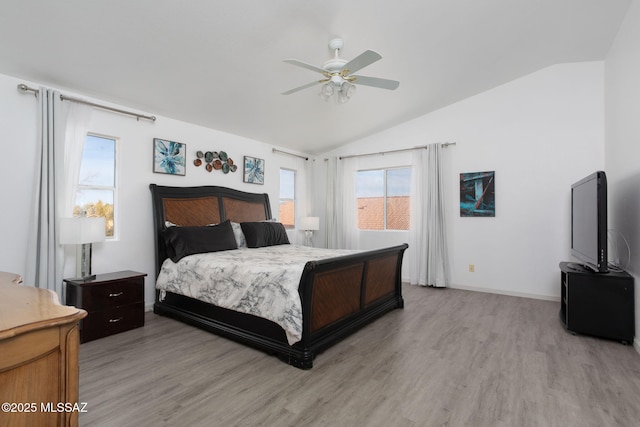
576,267
599,304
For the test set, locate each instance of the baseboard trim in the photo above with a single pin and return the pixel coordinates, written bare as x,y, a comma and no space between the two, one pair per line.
503,292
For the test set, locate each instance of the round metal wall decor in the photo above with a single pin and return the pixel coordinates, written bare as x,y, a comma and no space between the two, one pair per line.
214,160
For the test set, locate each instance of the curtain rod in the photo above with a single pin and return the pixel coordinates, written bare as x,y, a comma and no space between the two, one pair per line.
24,88
446,144
275,150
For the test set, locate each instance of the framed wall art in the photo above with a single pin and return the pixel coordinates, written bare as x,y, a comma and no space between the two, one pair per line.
169,157
477,194
253,170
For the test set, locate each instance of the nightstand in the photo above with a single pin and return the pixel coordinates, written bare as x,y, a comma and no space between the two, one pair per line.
114,303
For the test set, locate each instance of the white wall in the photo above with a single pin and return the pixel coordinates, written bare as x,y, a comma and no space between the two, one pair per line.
17,136
134,248
622,155
539,134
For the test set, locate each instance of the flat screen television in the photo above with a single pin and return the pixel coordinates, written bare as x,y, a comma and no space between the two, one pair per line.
589,221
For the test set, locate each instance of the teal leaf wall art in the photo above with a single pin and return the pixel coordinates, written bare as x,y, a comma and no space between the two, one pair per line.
168,157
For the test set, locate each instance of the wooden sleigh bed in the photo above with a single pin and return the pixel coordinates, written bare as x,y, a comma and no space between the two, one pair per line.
338,295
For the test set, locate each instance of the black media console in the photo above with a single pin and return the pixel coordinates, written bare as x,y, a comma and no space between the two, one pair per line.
599,304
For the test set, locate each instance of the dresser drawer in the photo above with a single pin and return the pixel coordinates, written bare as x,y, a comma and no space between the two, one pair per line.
113,294
100,324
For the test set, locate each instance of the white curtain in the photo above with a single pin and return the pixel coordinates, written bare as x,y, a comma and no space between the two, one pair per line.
77,121
428,256
341,213
348,206
44,256
331,235
58,156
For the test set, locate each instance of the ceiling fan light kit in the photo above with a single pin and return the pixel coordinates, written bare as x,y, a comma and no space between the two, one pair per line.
343,91
339,82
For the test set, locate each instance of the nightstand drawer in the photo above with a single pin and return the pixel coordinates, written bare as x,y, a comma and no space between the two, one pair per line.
108,322
114,302
113,294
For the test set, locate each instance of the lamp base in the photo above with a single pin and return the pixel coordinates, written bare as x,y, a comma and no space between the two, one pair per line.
308,238
83,262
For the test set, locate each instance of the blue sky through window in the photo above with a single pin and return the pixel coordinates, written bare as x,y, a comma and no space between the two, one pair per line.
287,184
97,169
371,183
98,161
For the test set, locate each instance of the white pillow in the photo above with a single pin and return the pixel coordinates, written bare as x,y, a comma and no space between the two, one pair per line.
239,235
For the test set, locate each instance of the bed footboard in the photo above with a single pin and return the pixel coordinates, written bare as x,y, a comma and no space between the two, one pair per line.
341,295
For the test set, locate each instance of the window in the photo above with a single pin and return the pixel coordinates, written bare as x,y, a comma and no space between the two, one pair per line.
383,197
97,183
287,198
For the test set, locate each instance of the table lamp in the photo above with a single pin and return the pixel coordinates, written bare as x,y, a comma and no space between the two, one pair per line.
82,231
309,224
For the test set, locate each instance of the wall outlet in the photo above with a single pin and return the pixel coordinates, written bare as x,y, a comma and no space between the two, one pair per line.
472,268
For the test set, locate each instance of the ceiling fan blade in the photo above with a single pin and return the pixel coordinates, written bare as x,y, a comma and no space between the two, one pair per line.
376,82
290,91
304,65
366,58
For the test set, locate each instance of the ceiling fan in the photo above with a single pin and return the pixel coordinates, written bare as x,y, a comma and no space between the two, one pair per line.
338,72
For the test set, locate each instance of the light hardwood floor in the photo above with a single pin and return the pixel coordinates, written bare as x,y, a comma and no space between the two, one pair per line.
451,357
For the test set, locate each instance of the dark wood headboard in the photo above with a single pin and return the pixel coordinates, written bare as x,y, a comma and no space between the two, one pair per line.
204,205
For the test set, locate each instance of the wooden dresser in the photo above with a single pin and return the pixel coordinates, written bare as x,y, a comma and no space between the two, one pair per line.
114,301
39,343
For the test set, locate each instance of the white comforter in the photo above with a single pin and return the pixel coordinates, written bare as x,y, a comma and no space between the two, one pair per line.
261,281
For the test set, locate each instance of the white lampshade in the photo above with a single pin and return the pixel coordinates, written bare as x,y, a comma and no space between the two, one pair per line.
310,223
79,230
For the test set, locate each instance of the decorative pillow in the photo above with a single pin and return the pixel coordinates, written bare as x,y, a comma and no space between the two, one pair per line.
237,232
183,241
239,235
260,234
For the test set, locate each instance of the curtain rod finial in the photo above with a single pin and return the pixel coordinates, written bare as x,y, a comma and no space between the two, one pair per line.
24,89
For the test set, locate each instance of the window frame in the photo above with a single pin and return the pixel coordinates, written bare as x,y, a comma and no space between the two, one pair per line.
116,160
384,196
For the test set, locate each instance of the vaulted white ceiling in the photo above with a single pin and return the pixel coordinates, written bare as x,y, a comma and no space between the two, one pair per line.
219,63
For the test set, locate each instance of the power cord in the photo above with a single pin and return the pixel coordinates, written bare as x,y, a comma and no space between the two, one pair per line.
615,266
